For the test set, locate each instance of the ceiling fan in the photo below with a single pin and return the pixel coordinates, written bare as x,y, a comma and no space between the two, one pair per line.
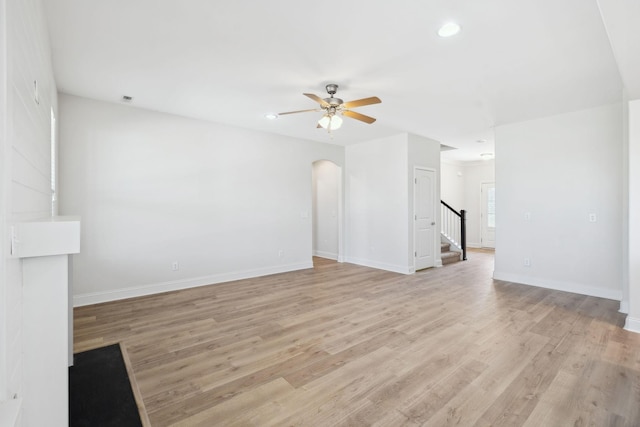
335,107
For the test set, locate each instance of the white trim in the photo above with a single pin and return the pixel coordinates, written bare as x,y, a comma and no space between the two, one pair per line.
474,245
323,254
632,324
174,285
381,265
575,288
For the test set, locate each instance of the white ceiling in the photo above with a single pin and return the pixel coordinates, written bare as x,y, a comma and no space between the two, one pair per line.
232,62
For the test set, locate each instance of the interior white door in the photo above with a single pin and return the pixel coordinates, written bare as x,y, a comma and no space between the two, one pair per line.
424,192
488,238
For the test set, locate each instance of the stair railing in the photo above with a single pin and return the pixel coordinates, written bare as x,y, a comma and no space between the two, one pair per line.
454,227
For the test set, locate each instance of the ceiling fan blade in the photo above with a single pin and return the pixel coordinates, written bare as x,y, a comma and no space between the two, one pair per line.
362,102
299,111
319,100
358,116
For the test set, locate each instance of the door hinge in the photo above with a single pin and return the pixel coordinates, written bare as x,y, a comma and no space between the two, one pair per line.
415,254
415,180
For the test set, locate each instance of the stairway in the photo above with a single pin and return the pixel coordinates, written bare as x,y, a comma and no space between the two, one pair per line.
447,255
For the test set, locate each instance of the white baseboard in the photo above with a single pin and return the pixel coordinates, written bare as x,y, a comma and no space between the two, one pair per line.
575,288
632,324
380,265
478,246
80,300
327,255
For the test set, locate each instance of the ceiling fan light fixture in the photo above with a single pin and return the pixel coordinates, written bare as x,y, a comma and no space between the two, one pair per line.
336,122
324,121
330,121
334,108
449,29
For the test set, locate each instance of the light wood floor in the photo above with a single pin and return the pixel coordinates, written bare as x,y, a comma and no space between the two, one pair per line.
347,345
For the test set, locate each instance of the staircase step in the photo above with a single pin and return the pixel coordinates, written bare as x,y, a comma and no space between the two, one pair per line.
445,247
449,257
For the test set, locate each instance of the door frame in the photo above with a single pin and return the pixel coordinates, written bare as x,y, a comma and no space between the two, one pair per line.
437,261
340,210
483,209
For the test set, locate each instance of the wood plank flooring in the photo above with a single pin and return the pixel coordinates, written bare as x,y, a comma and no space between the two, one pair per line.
344,345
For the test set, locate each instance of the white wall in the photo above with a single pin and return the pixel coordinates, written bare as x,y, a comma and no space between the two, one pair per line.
452,178
633,319
326,208
377,203
153,189
25,154
4,180
560,169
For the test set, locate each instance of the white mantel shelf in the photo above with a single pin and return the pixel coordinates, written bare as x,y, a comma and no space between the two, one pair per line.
44,247
58,235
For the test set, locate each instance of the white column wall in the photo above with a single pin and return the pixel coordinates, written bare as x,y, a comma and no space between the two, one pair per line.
624,227
633,318
377,204
25,156
559,170
155,189
4,180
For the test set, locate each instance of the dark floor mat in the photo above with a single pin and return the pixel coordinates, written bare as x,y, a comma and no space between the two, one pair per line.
100,393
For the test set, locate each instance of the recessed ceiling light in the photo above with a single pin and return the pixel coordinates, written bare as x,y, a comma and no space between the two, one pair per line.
449,29
486,156
271,116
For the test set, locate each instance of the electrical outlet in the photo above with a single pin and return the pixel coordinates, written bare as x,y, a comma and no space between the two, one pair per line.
593,217
527,262
175,266
280,253
527,216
